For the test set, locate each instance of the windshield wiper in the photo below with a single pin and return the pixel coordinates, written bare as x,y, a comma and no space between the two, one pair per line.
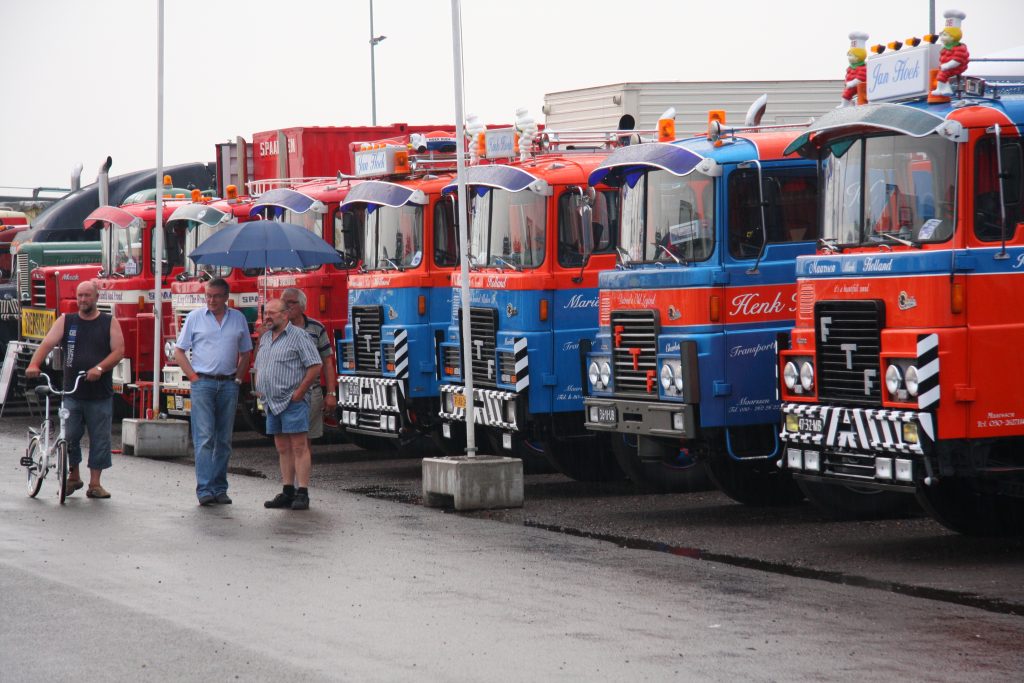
624,260
473,265
829,244
669,252
393,264
499,261
895,238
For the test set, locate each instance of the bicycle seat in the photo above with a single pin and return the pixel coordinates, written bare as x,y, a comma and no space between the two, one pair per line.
42,390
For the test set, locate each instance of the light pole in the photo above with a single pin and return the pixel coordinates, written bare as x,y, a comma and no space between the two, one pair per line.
373,71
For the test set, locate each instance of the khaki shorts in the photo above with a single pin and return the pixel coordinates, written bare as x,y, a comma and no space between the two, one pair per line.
316,412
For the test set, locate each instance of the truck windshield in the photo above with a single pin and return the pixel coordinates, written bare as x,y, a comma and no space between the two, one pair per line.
508,229
195,234
394,237
910,185
122,250
668,218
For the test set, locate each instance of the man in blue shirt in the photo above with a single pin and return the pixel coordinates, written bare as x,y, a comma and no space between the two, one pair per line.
220,345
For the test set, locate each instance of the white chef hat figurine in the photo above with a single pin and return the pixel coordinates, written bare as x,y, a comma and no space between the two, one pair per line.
474,131
527,129
953,58
857,71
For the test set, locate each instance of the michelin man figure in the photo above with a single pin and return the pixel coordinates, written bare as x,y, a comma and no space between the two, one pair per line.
857,72
953,58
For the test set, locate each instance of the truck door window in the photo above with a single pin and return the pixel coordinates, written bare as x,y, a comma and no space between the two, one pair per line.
446,234
173,247
604,225
987,218
508,229
348,229
790,215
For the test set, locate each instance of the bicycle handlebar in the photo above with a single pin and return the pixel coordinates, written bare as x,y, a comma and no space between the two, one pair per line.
51,390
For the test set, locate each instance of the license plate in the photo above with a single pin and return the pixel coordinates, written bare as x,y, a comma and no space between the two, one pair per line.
811,424
170,403
506,441
35,324
179,402
446,430
606,414
460,401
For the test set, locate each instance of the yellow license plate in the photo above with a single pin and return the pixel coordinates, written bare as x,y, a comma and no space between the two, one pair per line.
460,401
35,323
170,403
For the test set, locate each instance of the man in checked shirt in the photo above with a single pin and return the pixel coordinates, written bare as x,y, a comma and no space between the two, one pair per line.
287,365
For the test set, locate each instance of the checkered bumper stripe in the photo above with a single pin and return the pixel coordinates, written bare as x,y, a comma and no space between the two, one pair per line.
490,407
859,429
370,394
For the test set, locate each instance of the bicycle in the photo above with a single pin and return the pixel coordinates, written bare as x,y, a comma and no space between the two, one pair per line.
41,456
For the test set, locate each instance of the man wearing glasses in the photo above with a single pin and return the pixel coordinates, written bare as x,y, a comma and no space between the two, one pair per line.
218,338
323,399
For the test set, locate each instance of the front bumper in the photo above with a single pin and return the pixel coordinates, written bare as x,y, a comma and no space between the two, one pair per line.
882,447
493,407
371,405
646,418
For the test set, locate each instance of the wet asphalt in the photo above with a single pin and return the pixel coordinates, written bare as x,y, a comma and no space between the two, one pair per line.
585,581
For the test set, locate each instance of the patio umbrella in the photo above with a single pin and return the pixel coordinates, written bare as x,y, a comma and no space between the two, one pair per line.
265,244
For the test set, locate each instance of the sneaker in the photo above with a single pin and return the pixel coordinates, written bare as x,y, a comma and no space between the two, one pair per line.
222,499
207,499
280,501
301,501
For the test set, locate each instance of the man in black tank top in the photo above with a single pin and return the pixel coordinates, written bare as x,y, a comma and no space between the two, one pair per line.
91,342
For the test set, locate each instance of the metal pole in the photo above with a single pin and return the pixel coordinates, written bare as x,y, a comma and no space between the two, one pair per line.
158,241
460,161
931,17
373,70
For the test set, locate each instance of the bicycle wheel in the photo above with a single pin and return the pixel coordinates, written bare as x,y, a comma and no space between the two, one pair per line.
61,450
37,469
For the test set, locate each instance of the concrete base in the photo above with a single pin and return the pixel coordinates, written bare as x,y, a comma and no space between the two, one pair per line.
478,483
154,438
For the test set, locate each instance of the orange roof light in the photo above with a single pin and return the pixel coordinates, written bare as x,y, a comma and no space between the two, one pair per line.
168,182
667,125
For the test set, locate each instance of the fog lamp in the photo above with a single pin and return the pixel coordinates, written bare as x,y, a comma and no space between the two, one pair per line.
792,423
883,468
383,422
904,470
794,458
678,423
506,441
606,374
790,375
510,411
392,424
593,413
812,461
910,432
807,376
911,380
594,375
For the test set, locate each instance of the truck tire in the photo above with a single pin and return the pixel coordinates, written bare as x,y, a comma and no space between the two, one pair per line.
674,472
586,458
960,507
843,502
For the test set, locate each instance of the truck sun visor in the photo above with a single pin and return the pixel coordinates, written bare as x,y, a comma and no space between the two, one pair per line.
381,193
109,214
892,117
284,198
495,177
200,213
626,164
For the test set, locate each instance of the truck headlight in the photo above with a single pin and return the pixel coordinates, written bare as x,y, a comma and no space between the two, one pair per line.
667,378
594,375
911,380
807,376
790,375
606,374
893,379
169,350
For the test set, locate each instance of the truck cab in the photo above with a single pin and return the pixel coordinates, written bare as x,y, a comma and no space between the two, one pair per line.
682,374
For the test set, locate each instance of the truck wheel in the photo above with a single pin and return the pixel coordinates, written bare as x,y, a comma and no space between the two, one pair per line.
842,502
960,507
674,472
584,459
758,483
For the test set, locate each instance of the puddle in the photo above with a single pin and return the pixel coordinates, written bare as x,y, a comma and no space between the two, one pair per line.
942,595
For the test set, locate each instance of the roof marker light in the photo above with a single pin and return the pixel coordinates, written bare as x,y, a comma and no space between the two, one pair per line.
667,125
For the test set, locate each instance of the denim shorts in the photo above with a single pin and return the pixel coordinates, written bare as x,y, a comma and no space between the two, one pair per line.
292,420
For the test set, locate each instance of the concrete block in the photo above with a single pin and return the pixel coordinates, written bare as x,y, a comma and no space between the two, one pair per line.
478,483
154,438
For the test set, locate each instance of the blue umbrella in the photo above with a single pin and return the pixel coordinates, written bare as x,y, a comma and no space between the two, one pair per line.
265,244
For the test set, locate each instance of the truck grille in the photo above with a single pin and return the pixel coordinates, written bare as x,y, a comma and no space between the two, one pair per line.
635,334
483,330
366,322
849,343
38,292
22,277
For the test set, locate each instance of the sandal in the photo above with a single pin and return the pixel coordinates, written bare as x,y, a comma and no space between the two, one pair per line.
73,485
96,491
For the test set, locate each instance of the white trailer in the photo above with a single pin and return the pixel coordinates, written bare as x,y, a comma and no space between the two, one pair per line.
601,107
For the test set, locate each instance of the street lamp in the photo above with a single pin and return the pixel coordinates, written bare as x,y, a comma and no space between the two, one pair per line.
373,71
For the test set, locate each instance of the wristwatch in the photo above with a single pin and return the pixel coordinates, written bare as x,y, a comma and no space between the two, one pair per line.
238,381
100,368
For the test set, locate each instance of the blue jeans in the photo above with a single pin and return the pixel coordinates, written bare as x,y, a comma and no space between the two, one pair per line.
96,415
213,419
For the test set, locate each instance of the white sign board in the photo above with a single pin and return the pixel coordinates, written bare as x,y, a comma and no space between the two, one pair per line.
900,74
500,144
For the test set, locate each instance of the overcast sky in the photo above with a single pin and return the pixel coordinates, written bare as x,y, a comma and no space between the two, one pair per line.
79,78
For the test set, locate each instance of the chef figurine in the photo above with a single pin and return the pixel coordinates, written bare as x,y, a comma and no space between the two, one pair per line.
953,58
